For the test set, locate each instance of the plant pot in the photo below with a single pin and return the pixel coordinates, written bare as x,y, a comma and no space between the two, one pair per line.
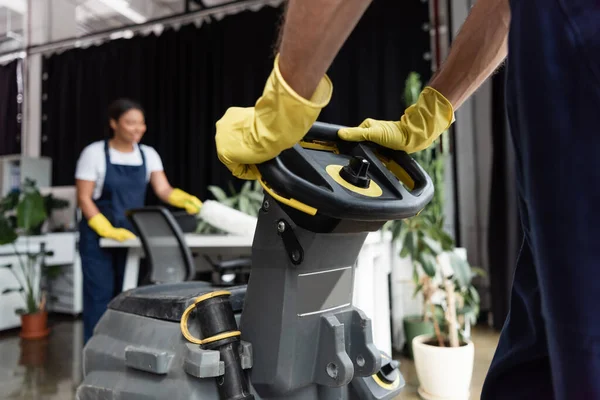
415,326
34,326
444,372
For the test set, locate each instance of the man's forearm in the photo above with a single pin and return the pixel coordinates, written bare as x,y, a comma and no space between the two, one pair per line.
479,48
312,35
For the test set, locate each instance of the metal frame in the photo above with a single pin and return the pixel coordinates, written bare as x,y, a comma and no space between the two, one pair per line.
177,232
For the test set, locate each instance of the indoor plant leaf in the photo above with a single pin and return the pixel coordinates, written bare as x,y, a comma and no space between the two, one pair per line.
10,201
31,211
465,310
218,193
462,270
418,288
246,187
478,272
433,245
7,232
398,230
408,245
474,295
428,263
256,196
231,188
229,202
244,204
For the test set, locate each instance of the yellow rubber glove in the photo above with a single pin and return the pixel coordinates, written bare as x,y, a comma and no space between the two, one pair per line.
421,124
279,120
104,228
179,198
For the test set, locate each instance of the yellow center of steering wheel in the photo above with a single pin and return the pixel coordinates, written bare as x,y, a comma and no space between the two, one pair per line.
372,191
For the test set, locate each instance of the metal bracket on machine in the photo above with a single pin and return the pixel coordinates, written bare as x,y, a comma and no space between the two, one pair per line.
346,349
290,242
207,363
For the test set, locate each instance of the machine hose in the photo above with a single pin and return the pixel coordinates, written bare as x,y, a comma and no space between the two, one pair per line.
186,315
218,326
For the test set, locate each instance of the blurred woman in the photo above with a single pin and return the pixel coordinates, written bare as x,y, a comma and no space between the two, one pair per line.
111,177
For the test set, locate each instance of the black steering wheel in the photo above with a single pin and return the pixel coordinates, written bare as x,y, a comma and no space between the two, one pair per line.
362,181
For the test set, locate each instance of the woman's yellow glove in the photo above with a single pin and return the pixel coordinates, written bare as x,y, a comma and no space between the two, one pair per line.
279,120
104,228
421,124
179,198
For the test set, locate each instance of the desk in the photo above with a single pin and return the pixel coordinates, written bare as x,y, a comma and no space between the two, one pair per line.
204,244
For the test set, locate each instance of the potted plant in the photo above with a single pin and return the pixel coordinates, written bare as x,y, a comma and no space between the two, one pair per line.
21,213
444,359
442,349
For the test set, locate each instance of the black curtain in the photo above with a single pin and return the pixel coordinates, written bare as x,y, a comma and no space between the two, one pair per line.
505,232
10,121
187,78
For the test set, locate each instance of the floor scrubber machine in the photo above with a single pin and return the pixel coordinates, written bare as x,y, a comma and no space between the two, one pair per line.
292,333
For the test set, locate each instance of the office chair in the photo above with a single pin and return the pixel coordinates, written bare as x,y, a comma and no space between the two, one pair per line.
169,258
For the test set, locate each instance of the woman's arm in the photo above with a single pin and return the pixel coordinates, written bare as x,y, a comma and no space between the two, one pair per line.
170,195
161,186
85,190
96,220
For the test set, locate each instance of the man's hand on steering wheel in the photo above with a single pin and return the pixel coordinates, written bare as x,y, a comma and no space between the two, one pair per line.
421,124
279,119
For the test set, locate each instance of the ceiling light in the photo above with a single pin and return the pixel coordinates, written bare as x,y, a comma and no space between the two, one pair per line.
212,3
19,6
123,8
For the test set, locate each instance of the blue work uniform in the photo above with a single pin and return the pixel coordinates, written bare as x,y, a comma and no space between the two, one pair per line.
550,345
103,269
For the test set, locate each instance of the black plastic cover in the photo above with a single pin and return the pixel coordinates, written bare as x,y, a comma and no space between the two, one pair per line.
168,301
301,173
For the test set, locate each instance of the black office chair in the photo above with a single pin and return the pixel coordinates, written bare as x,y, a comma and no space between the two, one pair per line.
224,273
168,256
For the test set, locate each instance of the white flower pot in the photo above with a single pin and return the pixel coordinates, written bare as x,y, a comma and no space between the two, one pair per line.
444,372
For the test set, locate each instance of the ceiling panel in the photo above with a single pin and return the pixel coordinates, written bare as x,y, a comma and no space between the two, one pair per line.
94,15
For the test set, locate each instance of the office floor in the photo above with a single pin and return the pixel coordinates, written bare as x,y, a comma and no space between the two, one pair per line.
50,369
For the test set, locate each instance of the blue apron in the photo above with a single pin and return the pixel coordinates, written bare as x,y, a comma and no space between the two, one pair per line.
103,269
550,345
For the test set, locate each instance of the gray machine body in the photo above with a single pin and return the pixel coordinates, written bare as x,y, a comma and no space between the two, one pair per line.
301,337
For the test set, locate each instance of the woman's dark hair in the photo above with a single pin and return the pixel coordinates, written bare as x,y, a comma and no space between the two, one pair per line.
119,107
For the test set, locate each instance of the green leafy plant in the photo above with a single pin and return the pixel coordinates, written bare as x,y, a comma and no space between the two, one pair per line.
21,213
51,203
450,300
247,200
